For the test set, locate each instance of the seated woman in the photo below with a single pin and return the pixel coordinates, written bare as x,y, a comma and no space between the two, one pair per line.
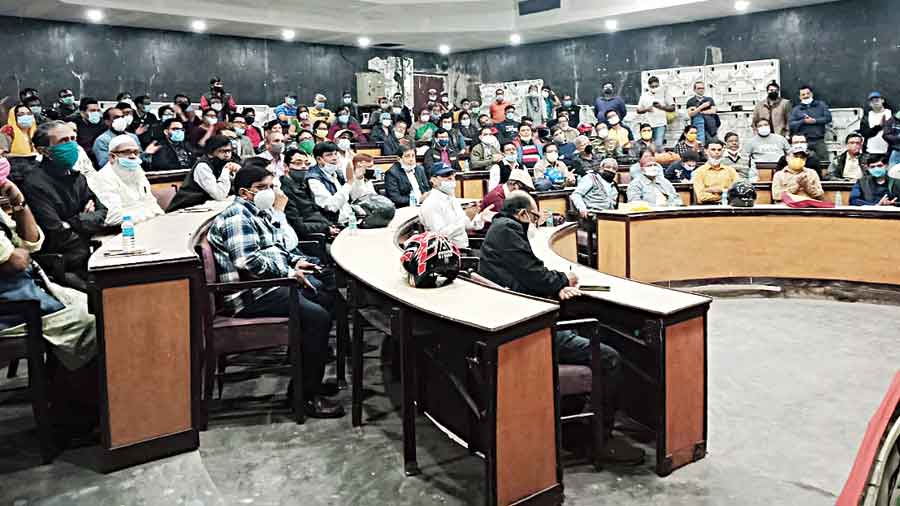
423,129
320,131
15,136
210,178
122,186
553,169
468,130
689,142
343,122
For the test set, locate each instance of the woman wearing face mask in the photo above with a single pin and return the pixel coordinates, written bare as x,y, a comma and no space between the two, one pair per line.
320,131
423,129
551,104
553,169
443,214
528,147
200,136
210,178
346,122
299,122
457,143
597,190
534,105
344,141
122,186
468,130
688,141
15,136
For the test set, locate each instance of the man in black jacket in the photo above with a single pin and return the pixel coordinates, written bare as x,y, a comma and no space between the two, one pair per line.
174,153
398,180
441,151
508,260
65,208
303,215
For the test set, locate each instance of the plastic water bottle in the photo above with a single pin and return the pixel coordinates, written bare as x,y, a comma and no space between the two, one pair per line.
413,201
352,225
378,174
549,221
839,199
127,234
725,198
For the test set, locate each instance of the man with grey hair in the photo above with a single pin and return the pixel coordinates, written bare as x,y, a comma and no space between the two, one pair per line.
651,187
597,191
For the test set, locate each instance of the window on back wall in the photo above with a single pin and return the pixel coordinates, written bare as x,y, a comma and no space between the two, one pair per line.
535,6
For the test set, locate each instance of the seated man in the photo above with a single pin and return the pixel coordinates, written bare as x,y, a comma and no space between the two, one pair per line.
174,153
583,158
519,180
406,179
247,245
210,179
713,179
568,132
67,326
681,171
875,188
117,122
796,178
618,131
441,151
509,127
652,187
597,190
330,188
766,146
381,128
499,173
442,212
486,152
645,142
64,206
812,161
508,260
848,166
734,157
274,147
552,167
303,215
122,186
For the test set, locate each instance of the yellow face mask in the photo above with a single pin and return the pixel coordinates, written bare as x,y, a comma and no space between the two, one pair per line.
691,137
796,164
646,135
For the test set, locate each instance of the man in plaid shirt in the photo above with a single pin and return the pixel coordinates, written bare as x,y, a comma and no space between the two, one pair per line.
248,243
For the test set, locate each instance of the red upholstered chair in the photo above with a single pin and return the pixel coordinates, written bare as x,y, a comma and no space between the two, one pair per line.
224,335
164,196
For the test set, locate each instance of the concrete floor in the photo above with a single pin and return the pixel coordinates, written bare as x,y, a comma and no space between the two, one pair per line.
792,384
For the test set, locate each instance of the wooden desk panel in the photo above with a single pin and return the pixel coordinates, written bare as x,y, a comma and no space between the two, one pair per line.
765,174
558,205
611,254
472,188
685,355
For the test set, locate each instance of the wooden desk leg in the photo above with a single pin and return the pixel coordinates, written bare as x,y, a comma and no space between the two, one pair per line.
343,331
357,358
400,328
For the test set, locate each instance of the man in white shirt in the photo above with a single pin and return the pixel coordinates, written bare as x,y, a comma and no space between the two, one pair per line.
122,186
442,212
330,189
274,149
872,125
210,179
653,105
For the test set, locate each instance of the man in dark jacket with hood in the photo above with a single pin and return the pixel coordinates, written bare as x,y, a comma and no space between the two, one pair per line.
508,260
876,188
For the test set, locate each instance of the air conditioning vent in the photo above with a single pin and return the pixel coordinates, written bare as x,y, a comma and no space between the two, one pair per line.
534,6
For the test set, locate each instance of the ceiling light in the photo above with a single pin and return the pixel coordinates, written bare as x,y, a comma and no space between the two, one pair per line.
612,24
288,34
198,25
364,41
94,15
444,49
742,5
515,39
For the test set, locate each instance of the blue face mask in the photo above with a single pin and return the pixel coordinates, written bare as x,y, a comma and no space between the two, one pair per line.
63,156
167,116
290,101
239,131
443,142
130,163
878,172
177,136
25,121
343,118
94,117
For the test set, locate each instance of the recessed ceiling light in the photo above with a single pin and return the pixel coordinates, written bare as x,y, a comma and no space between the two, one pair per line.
364,41
612,24
444,49
94,15
288,34
515,39
198,25
742,5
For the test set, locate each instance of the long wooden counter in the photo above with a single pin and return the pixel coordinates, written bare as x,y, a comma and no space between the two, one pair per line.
770,241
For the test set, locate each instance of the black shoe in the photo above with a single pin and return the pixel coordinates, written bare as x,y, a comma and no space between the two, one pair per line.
619,452
322,407
329,389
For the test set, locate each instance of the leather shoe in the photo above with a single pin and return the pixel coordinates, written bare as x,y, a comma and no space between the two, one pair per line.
618,452
322,407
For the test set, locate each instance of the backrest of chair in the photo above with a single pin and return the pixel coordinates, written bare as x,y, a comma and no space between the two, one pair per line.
165,195
208,262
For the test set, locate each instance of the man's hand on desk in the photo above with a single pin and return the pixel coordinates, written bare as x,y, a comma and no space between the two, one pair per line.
569,292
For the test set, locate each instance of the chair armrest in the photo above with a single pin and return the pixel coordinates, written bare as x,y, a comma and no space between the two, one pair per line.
577,324
476,242
315,245
244,285
52,263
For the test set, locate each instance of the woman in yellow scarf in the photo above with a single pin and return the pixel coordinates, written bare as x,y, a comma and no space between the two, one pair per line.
15,136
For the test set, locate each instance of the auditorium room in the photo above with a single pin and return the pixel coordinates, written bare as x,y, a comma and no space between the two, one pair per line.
456,253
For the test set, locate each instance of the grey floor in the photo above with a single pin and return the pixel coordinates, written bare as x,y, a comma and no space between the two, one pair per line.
792,384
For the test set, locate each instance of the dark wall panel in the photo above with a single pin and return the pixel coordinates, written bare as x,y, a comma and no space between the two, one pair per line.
845,49
101,61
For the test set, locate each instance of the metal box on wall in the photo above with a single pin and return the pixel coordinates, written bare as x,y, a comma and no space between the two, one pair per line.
369,86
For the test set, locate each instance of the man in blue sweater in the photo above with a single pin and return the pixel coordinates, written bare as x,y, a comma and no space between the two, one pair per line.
809,118
609,101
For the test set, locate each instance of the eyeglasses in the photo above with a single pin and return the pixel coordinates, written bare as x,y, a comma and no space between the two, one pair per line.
128,152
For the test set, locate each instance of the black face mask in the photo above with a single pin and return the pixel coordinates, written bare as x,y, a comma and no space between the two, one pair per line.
607,176
773,95
217,163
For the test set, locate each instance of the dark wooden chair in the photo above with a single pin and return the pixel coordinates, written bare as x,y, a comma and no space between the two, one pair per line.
32,346
224,335
165,195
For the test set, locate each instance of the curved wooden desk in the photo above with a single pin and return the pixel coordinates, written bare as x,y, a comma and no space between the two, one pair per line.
510,417
660,334
149,340
770,241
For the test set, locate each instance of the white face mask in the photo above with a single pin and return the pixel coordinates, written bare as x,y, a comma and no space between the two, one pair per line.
552,157
330,168
447,126
217,107
804,146
212,121
120,124
264,199
806,101
386,123
465,122
614,120
343,144
448,187
603,133
129,118
489,140
651,171
764,131
714,162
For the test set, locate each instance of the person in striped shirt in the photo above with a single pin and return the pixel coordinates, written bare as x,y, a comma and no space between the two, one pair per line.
528,147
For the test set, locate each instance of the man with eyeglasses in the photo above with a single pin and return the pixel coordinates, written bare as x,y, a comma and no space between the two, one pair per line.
64,107
174,153
210,178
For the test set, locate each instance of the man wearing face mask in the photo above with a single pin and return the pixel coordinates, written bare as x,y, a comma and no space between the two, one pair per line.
217,93
487,152
609,101
248,244
406,179
346,121
443,214
399,108
571,110
210,178
499,173
122,186
796,178
653,188
765,146
457,142
774,109
681,171
381,130
507,259
64,107
848,166
875,117
319,111
654,105
440,152
713,178
618,131
287,109
117,124
30,98
398,138
352,107
273,152
142,115
606,145
509,127
89,122
553,169
797,140
565,147
329,186
597,191
498,106
185,112
174,153
875,188
301,211
62,203
809,118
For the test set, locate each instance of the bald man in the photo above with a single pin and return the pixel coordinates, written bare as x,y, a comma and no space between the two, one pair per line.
508,260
